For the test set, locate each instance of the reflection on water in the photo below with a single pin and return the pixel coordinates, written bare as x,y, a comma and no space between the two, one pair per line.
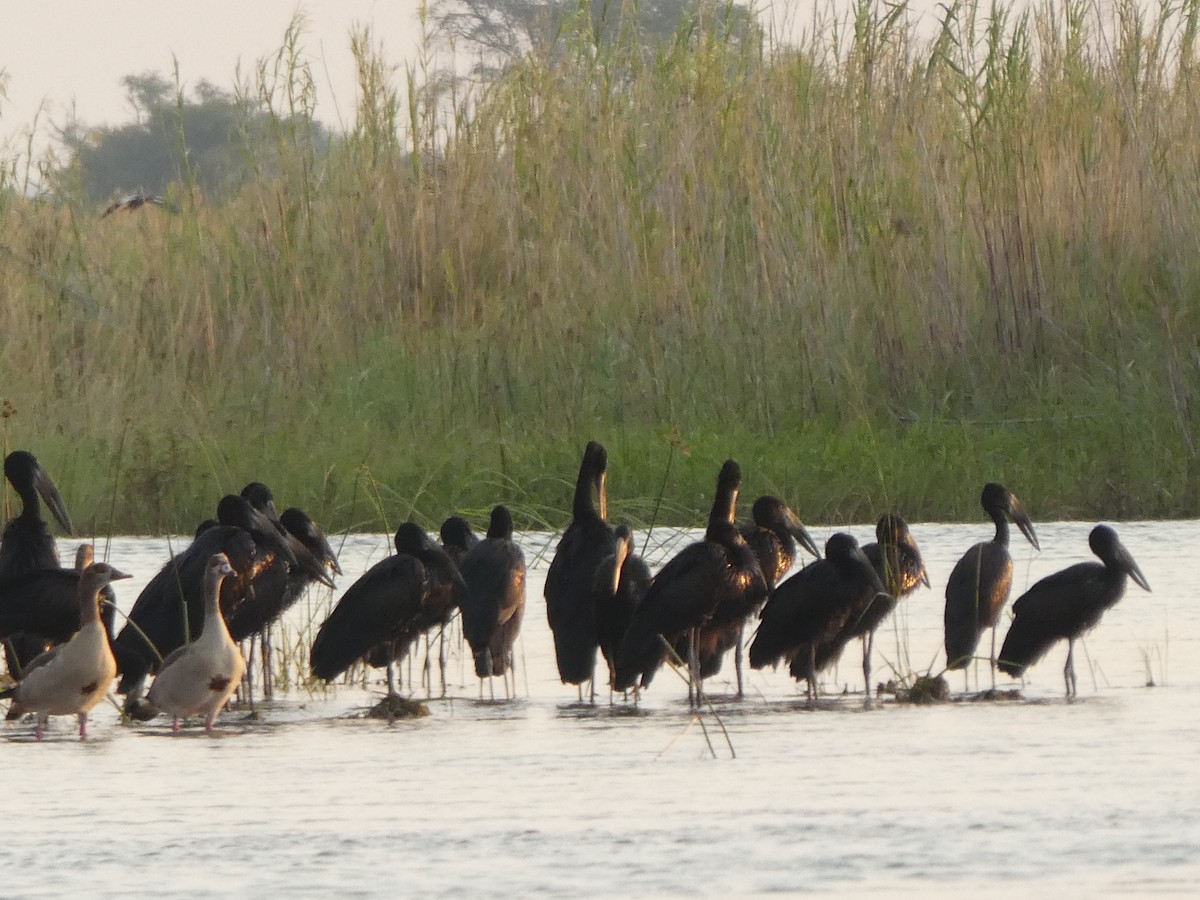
544,795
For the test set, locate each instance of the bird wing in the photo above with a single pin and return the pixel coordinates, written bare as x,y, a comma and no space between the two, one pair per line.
43,603
376,608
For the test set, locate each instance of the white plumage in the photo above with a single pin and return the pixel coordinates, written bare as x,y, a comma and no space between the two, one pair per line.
72,677
198,678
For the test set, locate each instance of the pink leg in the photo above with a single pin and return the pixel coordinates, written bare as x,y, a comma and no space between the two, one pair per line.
175,724
83,726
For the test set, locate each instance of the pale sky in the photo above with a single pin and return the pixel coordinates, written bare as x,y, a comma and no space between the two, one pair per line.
62,53
59,55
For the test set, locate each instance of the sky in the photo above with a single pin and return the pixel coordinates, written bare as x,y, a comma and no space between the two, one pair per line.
59,55
62,55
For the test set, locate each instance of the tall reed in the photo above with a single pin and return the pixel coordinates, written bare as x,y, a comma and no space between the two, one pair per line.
880,266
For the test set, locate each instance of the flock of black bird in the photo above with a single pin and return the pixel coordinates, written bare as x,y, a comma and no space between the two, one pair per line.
600,596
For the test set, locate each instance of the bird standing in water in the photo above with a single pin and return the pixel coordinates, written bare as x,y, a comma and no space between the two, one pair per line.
980,583
73,677
26,544
588,541
720,570
1068,604
814,606
494,602
896,559
200,677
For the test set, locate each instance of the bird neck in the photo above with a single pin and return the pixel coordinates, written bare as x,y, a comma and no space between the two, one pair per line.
1001,529
89,603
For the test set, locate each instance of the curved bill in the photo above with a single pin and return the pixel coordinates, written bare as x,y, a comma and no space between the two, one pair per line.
1127,563
796,528
53,499
1021,518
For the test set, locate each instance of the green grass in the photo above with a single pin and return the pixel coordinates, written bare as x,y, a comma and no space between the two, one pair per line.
879,269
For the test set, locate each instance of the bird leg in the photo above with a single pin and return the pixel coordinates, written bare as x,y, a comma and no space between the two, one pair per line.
246,688
83,726
737,657
992,660
442,658
39,730
1069,669
868,646
391,679
268,677
694,667
810,673
175,724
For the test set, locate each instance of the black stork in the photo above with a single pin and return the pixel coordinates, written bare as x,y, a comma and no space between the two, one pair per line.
980,582
391,604
1068,604
588,540
494,602
897,561
813,606
26,544
719,571
621,582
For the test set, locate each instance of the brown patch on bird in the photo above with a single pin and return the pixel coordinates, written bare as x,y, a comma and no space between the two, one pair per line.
218,683
90,687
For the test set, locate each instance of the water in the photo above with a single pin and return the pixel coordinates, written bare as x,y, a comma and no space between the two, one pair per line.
541,795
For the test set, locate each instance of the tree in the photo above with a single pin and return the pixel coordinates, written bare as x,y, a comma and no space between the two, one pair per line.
206,140
504,29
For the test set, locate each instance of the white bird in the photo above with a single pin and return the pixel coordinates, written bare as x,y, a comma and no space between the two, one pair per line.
72,677
199,677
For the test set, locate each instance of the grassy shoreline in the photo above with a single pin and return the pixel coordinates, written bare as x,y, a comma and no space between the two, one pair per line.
878,269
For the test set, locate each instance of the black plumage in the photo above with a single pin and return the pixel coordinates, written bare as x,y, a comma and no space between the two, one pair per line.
588,540
774,536
719,572
26,544
388,607
896,559
457,537
980,582
1067,604
494,602
170,610
621,582
278,586
813,606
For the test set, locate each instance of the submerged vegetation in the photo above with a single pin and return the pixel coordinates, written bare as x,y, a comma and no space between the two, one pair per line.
879,267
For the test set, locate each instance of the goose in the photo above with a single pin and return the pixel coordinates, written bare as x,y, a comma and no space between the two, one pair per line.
72,677
198,678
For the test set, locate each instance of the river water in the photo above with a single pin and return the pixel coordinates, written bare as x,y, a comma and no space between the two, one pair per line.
543,795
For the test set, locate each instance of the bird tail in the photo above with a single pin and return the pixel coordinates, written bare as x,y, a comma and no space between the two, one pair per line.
638,657
483,664
1023,646
767,648
331,655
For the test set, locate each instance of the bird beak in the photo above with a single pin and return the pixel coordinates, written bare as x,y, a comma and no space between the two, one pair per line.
1021,518
330,557
49,493
271,535
602,494
1132,568
309,563
800,533
924,574
117,575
